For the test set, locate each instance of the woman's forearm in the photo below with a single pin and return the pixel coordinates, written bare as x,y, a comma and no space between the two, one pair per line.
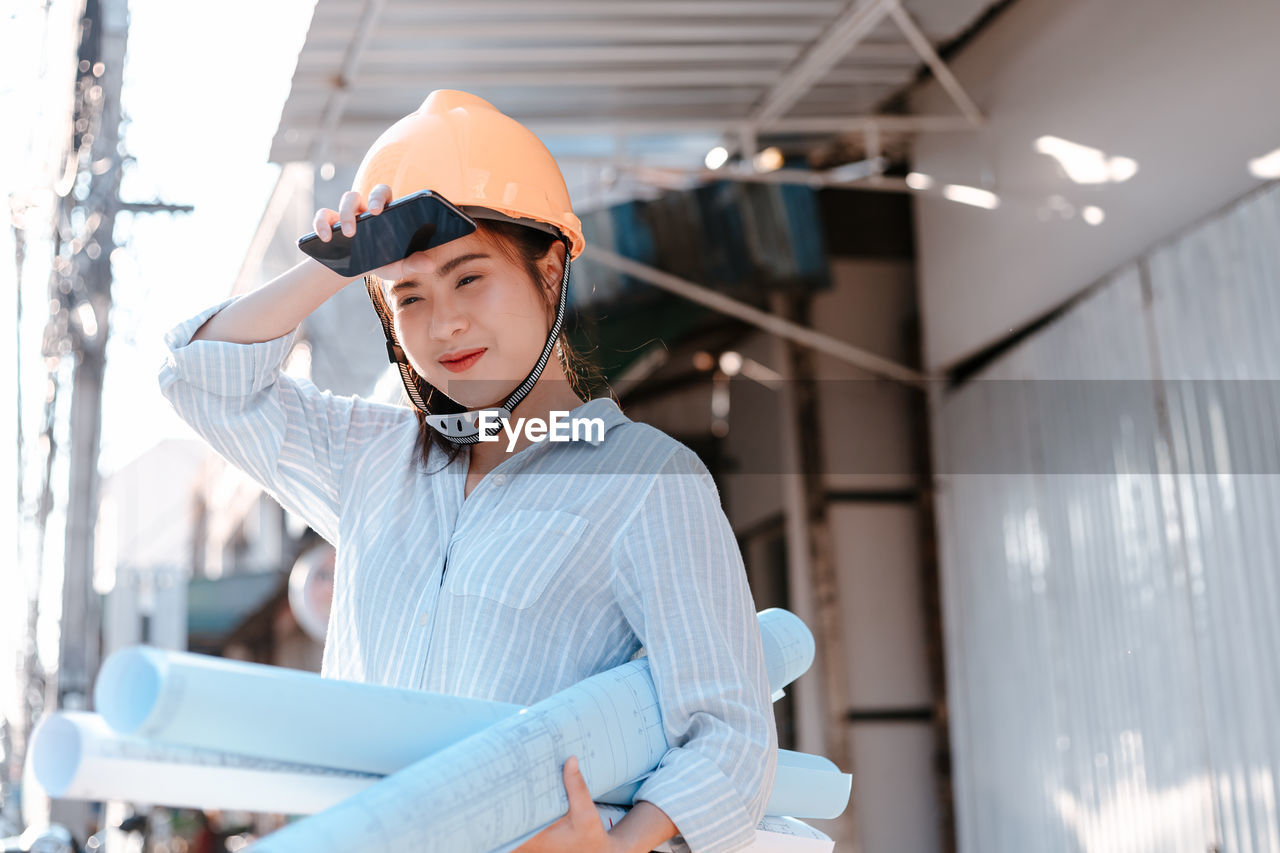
276,308
643,828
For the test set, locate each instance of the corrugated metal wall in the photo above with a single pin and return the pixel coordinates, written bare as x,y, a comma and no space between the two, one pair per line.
1108,516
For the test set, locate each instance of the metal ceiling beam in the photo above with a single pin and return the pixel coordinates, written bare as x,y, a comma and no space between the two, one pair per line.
354,137
850,175
488,32
834,43
585,9
709,125
350,65
568,55
756,75
813,124
945,78
604,104
662,102
802,335
397,51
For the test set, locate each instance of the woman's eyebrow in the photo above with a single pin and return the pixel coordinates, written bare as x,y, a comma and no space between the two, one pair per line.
445,268
449,266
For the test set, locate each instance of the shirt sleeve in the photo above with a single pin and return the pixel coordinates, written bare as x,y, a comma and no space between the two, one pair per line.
282,431
680,581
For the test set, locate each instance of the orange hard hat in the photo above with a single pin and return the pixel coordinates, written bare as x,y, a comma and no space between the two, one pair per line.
461,147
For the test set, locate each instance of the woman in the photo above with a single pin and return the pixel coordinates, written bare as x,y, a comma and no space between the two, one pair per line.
474,568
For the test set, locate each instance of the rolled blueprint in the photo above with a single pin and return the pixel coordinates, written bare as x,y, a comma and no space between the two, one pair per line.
249,709
788,647
807,786
773,834
75,755
502,784
289,715
285,714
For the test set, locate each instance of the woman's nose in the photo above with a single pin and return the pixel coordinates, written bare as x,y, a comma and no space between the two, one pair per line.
447,318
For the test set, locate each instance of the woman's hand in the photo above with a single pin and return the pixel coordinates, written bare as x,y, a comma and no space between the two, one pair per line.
277,307
579,831
351,205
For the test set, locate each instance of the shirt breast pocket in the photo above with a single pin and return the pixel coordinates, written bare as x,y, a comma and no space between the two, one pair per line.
518,557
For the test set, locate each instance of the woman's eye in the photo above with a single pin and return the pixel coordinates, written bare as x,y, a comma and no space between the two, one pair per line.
467,279
407,301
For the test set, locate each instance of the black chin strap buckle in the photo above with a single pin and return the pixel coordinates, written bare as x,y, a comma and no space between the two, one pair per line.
395,353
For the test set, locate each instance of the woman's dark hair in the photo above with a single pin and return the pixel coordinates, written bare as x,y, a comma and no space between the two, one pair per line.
525,247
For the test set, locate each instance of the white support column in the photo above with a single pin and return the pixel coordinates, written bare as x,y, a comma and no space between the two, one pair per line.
812,574
747,143
810,697
872,146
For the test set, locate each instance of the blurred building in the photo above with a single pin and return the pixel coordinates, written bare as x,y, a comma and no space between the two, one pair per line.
146,520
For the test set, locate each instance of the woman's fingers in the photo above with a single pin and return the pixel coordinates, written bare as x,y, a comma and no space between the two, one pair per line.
576,787
323,223
351,206
580,829
379,198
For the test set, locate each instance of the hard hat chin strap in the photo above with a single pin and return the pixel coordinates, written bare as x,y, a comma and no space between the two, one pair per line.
462,427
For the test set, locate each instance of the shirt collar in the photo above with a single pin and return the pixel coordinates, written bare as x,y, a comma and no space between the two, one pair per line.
603,408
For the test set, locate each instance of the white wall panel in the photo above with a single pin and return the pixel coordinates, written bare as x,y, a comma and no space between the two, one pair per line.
1109,572
1215,313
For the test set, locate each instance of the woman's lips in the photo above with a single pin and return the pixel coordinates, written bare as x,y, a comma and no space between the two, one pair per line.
463,363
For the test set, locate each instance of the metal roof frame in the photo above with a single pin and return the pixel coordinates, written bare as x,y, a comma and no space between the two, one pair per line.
641,90
738,70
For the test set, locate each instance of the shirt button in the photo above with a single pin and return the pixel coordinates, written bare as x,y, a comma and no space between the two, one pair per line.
499,479
422,620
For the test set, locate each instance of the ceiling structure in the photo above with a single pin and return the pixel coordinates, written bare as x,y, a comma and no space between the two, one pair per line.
630,89
631,96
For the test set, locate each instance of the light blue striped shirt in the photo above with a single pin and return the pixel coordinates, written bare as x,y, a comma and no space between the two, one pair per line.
563,561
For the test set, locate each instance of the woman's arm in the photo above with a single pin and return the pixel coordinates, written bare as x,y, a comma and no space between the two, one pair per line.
643,828
276,308
680,581
223,377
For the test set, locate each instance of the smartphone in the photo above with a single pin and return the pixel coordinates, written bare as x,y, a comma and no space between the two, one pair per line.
414,223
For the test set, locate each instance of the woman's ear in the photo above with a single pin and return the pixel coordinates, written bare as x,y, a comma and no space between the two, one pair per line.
551,265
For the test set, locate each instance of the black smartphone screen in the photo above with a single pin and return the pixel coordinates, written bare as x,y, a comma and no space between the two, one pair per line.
414,223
